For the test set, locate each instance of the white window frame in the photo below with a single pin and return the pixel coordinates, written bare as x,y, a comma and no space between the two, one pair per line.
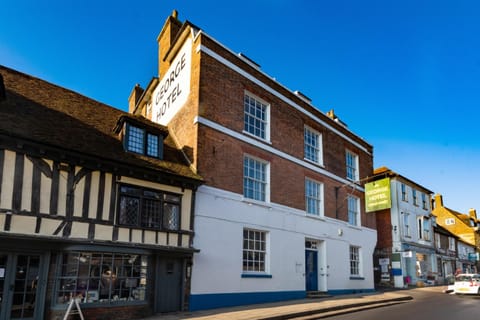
424,229
351,162
264,184
424,201
414,197
355,259
353,212
313,145
406,225
404,192
254,252
248,117
438,240
451,244
314,199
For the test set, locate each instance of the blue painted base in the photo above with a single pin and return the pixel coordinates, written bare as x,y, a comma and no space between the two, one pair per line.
350,291
220,300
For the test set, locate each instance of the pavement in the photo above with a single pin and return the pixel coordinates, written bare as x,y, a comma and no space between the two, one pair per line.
303,309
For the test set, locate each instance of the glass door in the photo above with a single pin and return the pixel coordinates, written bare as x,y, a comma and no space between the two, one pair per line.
19,275
3,269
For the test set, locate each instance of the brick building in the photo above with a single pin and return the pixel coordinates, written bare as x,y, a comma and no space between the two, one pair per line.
281,212
88,211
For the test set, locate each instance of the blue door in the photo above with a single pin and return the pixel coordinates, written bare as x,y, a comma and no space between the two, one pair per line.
311,270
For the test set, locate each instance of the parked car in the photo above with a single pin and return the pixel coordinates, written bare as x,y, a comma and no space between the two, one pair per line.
467,283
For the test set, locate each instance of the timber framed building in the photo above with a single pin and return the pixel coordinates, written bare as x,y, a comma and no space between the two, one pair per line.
281,213
95,204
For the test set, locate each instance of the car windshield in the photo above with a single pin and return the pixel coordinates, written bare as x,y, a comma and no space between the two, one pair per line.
463,277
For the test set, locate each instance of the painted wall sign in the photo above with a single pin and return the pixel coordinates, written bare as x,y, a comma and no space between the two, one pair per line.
377,195
173,89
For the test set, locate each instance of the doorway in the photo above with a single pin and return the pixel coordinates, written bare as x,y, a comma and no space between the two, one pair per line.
311,266
20,276
169,289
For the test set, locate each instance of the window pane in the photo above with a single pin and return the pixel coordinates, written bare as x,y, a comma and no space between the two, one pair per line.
135,139
129,210
354,261
147,208
255,121
254,180
152,145
351,162
312,146
101,277
171,216
152,213
313,197
353,211
254,250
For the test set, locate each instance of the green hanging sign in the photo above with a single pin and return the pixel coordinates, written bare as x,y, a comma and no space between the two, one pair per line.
377,195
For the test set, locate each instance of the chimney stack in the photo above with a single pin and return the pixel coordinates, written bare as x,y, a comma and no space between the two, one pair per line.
438,200
165,40
134,97
472,213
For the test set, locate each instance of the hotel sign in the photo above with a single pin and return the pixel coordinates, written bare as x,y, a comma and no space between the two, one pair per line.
173,89
377,195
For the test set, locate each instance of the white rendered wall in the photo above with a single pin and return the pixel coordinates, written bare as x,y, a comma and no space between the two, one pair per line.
220,218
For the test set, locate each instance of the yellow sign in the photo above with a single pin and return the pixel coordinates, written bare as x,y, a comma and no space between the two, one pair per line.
377,195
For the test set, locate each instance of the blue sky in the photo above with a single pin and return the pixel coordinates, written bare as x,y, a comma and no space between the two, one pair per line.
403,75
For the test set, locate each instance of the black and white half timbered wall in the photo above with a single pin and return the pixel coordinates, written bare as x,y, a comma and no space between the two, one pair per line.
48,198
95,205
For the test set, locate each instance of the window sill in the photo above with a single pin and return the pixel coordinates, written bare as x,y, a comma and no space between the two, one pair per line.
315,216
256,202
356,278
256,275
260,139
318,164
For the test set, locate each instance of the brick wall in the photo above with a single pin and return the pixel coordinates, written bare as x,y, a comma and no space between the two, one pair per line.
384,234
217,94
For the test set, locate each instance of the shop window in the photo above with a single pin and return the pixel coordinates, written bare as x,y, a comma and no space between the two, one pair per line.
97,277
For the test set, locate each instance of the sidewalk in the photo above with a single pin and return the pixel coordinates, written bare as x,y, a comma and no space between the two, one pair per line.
300,309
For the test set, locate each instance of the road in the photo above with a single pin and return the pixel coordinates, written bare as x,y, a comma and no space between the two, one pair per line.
425,305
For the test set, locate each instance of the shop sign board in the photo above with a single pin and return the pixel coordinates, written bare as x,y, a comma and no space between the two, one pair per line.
377,195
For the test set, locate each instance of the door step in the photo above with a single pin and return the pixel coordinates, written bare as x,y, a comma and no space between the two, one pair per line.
317,294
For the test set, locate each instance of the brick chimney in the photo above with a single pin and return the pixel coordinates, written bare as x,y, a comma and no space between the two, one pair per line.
135,95
438,201
472,213
165,40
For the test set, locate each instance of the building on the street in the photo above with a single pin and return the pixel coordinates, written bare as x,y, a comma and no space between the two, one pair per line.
96,205
465,227
446,253
467,257
281,212
405,252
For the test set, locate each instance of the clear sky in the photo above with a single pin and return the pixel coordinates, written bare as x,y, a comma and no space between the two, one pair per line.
404,75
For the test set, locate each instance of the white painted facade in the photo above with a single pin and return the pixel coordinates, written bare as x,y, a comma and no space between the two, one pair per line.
220,218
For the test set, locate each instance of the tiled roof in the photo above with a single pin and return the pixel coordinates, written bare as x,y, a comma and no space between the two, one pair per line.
47,114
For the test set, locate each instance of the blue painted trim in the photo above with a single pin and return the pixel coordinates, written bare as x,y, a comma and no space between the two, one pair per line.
397,272
350,291
256,275
220,300
357,278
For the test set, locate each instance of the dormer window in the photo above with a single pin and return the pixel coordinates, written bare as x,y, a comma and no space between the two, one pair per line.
139,140
141,136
